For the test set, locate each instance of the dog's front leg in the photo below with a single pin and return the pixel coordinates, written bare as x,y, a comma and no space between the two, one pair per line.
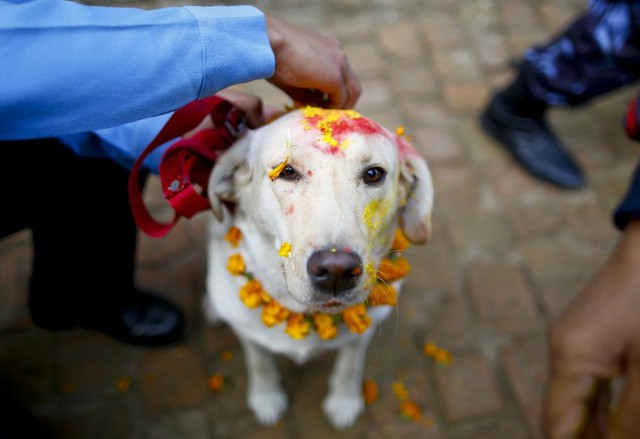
265,396
345,401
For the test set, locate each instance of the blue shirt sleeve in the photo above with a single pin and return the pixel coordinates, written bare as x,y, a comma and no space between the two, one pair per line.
123,143
70,68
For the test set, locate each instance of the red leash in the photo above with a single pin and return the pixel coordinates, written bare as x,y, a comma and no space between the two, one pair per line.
187,161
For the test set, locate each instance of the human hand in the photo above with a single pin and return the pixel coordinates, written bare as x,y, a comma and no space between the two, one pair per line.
256,112
311,68
596,339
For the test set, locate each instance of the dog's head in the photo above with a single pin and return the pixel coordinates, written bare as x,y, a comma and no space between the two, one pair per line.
334,185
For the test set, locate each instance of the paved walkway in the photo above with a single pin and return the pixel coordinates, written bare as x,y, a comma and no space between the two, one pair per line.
507,254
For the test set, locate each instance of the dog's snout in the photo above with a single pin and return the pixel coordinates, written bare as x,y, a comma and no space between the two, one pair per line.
334,271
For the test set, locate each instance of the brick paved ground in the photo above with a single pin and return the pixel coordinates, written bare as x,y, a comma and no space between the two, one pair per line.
507,254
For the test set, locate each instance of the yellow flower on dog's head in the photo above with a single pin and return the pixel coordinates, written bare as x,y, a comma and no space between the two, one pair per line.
285,250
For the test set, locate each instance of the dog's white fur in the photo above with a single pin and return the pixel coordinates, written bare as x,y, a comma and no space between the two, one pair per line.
329,206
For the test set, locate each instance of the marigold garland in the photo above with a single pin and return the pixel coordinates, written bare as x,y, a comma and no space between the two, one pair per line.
298,325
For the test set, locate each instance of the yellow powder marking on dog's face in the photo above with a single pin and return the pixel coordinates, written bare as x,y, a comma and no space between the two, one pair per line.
374,213
373,217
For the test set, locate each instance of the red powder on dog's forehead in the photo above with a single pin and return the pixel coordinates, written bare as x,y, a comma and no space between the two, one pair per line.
335,126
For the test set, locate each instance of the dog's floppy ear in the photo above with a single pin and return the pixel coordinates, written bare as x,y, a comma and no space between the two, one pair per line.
415,215
229,172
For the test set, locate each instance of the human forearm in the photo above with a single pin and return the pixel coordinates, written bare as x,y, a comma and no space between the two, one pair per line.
595,340
76,68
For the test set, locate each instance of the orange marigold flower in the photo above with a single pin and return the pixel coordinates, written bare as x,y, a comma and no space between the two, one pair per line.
356,318
275,172
410,411
400,242
251,293
233,236
235,264
393,269
327,332
430,349
440,355
297,326
285,250
370,391
274,314
325,326
383,294
123,384
400,391
443,357
400,130
216,382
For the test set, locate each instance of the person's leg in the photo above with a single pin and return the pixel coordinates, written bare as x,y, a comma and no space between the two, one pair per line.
593,56
516,119
84,241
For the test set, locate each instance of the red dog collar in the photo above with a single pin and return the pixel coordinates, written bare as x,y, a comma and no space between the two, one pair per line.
187,161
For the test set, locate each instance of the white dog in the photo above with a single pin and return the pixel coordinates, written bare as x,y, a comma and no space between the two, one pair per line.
307,208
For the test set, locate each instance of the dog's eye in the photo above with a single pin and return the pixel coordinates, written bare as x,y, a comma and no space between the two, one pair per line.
374,175
289,173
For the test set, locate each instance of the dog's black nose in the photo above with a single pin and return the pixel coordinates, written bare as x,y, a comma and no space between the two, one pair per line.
334,271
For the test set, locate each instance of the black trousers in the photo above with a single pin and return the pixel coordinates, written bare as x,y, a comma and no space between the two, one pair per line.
84,235
598,52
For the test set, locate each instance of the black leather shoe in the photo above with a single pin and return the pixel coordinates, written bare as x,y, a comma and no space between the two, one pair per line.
533,144
145,320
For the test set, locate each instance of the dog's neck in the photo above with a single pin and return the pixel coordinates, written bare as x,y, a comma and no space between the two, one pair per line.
298,324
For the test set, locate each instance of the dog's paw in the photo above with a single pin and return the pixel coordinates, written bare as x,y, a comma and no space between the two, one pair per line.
342,409
268,407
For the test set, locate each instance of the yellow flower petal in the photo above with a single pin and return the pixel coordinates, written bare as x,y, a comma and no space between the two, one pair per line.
123,384
274,314
285,250
400,241
251,294
370,391
400,391
393,269
383,294
216,382
275,172
325,326
235,264
410,411
233,236
356,318
297,326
